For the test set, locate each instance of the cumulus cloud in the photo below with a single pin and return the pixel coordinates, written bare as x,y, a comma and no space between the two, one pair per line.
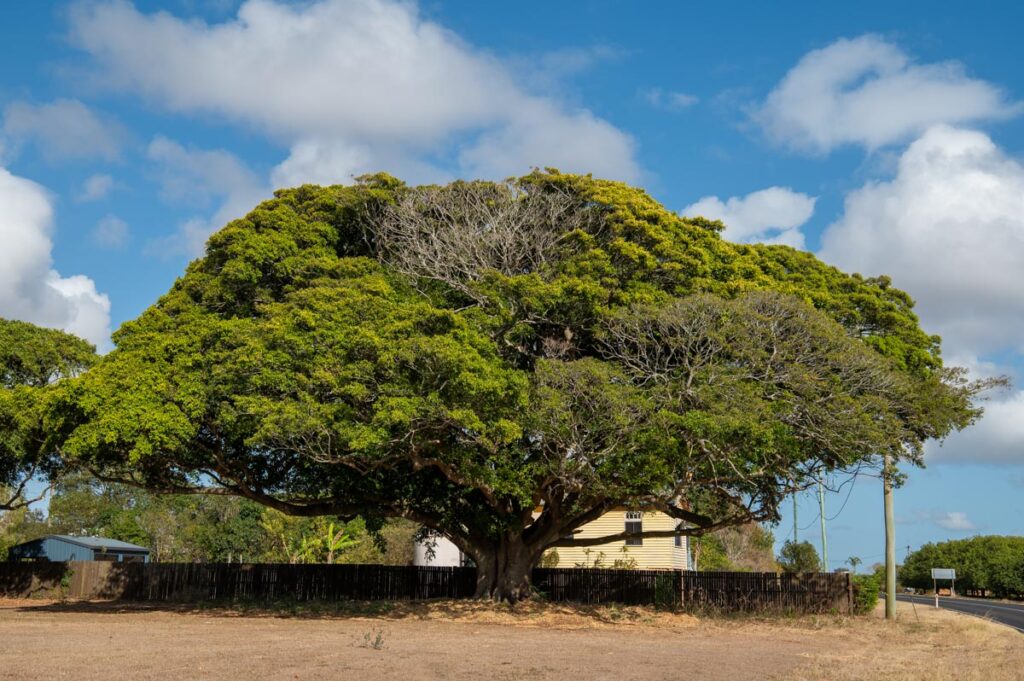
96,188
110,232
956,521
772,215
63,129
542,135
997,438
201,177
867,91
30,289
348,85
949,228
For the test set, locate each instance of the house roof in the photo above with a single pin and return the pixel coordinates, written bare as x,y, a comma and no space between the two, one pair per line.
99,543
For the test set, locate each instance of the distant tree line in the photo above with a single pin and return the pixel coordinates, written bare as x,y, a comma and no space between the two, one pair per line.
985,565
205,528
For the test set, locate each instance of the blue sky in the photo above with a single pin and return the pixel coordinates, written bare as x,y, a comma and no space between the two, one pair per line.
886,137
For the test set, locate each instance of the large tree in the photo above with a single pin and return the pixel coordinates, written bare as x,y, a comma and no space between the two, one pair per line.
32,359
505,362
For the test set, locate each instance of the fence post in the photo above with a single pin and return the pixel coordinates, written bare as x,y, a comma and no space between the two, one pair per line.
849,592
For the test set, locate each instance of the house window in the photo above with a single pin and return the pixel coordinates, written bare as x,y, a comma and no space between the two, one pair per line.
679,537
634,525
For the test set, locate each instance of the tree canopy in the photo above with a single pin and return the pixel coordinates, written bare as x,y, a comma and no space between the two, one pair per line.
504,362
799,557
31,360
991,565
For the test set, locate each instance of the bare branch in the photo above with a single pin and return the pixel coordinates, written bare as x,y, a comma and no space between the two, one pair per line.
456,233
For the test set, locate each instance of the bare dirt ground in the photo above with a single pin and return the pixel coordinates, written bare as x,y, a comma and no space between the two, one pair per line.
460,640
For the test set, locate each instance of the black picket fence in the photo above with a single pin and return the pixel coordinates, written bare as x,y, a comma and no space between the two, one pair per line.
592,585
191,582
818,592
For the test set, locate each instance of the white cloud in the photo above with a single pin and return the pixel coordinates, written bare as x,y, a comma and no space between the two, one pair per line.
772,215
956,521
200,177
540,135
30,289
997,438
95,188
867,91
673,101
348,85
949,228
63,129
110,232
319,161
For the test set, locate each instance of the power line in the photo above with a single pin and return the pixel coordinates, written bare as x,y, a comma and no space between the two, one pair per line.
853,483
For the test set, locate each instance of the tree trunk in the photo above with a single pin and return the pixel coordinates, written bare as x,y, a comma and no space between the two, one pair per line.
503,572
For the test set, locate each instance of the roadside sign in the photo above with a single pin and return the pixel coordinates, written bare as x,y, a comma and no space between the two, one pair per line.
943,573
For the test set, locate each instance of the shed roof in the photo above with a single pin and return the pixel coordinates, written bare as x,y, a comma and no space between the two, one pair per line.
98,543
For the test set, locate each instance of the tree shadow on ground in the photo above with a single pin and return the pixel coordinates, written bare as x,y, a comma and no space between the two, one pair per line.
536,612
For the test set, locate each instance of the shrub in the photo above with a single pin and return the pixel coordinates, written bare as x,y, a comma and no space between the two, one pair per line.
865,593
665,591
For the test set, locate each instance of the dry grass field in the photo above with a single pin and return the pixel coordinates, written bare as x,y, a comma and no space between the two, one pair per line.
461,640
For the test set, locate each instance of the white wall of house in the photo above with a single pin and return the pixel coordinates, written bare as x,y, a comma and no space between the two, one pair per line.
437,551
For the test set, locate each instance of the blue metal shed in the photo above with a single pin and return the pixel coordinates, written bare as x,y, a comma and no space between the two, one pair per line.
60,548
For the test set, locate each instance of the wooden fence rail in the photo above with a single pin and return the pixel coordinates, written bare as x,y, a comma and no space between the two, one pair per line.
189,582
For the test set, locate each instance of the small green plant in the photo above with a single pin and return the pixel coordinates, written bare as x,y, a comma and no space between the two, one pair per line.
374,639
65,583
865,593
625,561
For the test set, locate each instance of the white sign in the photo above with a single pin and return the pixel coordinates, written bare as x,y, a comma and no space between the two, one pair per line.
943,573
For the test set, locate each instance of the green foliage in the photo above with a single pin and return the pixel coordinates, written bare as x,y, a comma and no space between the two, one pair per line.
709,553
31,360
992,564
197,528
327,358
799,557
865,593
35,357
743,548
17,526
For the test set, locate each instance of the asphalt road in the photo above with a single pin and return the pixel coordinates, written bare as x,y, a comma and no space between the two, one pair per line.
1009,614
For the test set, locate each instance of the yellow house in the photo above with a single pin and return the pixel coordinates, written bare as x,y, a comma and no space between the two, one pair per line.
641,554
659,553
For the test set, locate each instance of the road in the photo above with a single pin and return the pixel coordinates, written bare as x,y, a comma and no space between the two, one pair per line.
1009,614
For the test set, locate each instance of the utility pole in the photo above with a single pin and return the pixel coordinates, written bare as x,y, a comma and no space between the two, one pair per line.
824,539
890,540
795,539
